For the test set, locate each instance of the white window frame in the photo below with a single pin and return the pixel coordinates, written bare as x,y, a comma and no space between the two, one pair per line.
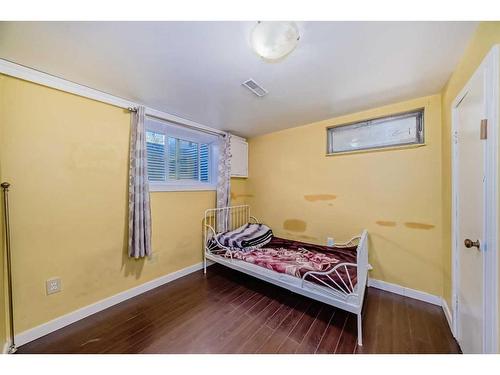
177,131
379,121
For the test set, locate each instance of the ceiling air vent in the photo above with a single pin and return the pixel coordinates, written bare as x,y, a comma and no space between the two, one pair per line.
255,87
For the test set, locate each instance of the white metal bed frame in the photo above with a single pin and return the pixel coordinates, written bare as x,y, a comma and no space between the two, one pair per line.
344,295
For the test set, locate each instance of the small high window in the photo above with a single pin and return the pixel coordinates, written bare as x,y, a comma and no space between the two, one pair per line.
390,131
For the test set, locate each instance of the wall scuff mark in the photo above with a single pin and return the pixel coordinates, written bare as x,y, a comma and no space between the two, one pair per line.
295,225
319,197
418,225
386,223
236,196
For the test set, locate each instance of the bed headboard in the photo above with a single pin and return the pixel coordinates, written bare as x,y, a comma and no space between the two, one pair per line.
224,219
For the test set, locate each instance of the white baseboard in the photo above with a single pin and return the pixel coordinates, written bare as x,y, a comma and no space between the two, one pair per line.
447,314
404,291
58,323
415,294
5,347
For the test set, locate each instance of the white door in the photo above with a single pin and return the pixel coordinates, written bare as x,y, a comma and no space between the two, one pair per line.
470,169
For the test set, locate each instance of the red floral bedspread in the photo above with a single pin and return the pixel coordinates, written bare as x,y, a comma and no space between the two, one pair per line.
296,258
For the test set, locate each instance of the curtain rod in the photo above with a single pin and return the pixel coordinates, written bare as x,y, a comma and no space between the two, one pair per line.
178,121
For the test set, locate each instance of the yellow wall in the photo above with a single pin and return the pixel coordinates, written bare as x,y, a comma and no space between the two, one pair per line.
239,193
485,37
396,195
67,160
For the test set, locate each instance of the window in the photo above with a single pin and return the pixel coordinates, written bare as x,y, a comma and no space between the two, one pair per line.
397,130
180,158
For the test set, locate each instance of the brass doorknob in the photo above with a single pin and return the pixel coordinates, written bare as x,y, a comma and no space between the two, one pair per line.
469,243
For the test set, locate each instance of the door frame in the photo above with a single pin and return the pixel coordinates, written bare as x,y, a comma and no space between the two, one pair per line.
489,68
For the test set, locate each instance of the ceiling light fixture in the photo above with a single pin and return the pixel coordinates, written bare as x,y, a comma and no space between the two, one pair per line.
273,40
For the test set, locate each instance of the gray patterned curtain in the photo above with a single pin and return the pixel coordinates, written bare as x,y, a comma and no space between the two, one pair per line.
139,209
224,182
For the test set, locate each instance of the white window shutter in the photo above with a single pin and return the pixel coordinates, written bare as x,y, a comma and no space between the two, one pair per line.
155,147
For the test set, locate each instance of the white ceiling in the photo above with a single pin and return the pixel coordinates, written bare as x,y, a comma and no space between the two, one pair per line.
195,69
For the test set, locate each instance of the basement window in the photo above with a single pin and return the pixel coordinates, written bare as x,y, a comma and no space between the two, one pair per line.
403,129
180,159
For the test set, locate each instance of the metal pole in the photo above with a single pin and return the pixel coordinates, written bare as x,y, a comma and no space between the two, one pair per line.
5,188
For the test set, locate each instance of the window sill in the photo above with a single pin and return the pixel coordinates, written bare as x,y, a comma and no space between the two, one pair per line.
380,149
195,187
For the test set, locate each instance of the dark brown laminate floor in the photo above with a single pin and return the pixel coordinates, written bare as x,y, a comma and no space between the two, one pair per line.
229,312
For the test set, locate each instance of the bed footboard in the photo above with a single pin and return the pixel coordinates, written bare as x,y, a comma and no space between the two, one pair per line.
339,280
363,268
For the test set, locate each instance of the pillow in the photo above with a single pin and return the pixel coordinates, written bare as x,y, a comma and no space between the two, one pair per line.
247,237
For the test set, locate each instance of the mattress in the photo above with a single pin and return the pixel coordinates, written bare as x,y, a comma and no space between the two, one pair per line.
296,258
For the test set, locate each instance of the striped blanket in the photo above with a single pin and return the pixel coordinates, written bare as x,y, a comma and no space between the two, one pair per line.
247,237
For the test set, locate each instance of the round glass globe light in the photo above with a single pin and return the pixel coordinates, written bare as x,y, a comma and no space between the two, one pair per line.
273,40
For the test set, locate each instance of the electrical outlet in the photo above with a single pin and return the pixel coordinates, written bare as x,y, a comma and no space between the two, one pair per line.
53,285
330,242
